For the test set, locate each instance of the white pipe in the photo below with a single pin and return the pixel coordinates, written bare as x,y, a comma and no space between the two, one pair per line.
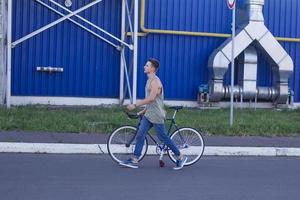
88,30
54,23
121,89
9,39
135,49
90,23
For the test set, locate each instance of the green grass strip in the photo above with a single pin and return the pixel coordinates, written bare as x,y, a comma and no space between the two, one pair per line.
247,122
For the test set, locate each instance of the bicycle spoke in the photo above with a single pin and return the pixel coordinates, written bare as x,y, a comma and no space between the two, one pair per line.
189,136
194,140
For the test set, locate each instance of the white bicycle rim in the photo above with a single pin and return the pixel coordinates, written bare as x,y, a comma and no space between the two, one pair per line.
187,146
117,140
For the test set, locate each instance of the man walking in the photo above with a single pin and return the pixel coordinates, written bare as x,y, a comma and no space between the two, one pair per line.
153,116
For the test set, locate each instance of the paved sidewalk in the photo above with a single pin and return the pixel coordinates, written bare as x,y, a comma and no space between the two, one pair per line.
87,138
35,142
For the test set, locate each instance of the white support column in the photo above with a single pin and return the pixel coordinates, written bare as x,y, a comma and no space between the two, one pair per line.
127,75
123,18
135,50
232,66
3,13
9,39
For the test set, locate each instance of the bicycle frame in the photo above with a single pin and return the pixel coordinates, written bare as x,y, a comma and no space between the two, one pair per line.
173,123
163,147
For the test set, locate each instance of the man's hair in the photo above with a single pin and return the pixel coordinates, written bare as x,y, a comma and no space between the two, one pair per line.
155,63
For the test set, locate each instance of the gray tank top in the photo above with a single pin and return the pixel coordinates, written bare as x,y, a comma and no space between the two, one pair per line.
155,112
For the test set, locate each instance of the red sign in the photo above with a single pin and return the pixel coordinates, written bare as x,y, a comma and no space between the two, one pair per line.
231,3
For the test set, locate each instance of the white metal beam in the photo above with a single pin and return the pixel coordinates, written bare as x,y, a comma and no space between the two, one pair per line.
129,19
126,74
135,50
123,36
78,24
54,23
92,24
3,17
9,46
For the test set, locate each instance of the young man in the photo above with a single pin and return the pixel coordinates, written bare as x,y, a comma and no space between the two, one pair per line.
153,115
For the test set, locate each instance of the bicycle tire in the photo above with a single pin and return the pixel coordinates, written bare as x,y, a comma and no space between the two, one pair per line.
190,143
116,144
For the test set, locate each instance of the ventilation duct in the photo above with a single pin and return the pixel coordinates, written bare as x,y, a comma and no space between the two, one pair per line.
252,36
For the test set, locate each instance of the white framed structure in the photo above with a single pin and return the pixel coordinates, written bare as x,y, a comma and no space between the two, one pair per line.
119,43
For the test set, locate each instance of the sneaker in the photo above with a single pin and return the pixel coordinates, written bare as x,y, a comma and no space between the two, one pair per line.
180,163
130,163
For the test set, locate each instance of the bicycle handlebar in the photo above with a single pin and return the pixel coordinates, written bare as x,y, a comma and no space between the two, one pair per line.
136,116
132,115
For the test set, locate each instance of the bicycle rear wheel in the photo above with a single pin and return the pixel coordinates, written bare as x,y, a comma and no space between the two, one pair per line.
190,143
121,143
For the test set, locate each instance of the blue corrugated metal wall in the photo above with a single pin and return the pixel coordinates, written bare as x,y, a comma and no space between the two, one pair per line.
184,58
92,67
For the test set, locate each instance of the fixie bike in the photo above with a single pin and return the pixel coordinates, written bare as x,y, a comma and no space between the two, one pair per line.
121,142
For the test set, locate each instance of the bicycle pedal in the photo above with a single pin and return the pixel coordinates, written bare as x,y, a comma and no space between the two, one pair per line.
161,163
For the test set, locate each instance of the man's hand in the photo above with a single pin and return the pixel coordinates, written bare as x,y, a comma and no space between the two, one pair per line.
131,107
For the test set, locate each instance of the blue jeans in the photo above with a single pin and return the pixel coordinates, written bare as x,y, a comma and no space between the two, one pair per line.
160,129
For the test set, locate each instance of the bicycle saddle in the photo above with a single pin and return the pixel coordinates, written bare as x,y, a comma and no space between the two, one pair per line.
176,107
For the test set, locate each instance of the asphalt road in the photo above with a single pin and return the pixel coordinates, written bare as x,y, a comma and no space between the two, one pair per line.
94,177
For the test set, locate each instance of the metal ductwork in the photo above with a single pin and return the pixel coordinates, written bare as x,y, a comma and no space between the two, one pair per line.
252,35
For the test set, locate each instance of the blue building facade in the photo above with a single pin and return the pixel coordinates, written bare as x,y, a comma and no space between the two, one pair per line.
92,67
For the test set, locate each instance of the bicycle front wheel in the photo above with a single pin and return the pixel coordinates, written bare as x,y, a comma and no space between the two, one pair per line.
121,144
190,143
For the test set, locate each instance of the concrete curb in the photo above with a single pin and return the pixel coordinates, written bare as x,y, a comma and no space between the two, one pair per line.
57,148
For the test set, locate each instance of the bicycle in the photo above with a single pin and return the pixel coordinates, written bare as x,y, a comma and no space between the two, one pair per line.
121,142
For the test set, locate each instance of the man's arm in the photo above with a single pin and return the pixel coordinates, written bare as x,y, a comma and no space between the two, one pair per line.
154,90
142,112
